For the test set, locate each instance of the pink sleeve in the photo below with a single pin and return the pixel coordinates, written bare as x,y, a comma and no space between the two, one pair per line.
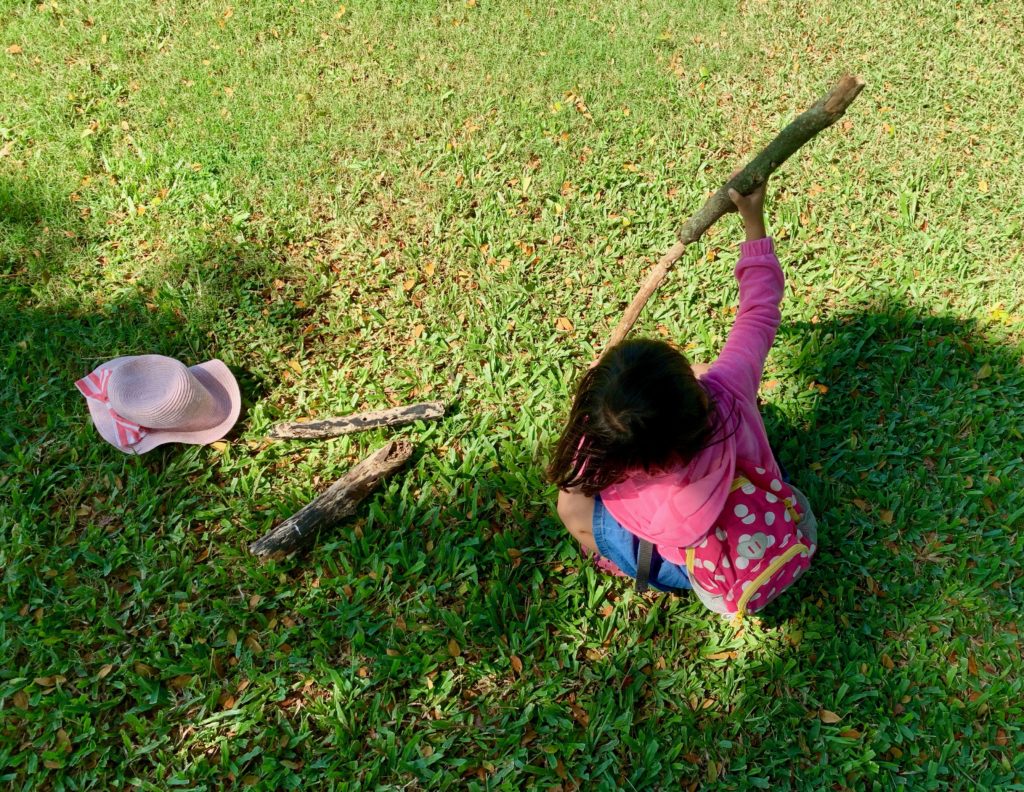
741,362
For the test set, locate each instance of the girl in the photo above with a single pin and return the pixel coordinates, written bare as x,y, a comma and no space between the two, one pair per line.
659,455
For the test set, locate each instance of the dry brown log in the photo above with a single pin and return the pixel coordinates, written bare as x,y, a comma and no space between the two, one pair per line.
339,501
360,422
821,115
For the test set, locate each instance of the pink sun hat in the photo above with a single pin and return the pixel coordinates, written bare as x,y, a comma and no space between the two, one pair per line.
142,401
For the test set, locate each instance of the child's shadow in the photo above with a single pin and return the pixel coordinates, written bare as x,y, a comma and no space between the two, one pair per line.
905,432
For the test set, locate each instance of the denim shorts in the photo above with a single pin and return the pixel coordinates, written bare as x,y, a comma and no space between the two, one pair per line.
620,546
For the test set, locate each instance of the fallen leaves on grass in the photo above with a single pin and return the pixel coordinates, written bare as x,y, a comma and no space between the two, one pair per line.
579,715
14,49
453,648
563,324
828,716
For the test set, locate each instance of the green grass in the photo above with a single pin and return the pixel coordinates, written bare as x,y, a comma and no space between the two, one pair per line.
399,202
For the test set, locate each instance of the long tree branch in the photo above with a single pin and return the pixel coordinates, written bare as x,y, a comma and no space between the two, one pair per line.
821,115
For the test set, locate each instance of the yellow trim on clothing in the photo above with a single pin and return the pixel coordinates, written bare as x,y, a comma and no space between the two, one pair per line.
794,513
738,482
689,561
764,577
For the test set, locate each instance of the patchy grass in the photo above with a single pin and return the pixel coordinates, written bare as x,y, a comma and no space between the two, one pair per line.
364,206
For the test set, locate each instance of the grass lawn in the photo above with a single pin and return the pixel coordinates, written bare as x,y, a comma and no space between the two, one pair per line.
364,205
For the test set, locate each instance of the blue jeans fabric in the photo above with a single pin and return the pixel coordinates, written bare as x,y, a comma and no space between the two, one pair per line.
617,544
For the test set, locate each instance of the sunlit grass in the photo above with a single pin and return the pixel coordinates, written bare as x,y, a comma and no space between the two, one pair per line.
373,205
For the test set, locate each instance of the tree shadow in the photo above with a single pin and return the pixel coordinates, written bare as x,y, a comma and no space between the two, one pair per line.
904,431
907,444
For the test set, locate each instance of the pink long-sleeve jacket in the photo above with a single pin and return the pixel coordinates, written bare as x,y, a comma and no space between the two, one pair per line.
676,508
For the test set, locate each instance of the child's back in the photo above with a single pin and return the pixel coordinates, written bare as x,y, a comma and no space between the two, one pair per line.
684,449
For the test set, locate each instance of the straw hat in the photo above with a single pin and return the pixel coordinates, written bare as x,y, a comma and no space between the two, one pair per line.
143,401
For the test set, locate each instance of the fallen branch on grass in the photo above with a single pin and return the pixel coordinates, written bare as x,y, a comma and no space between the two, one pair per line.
821,115
338,502
335,427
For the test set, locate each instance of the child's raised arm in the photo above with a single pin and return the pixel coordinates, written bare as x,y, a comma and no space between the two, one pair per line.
741,362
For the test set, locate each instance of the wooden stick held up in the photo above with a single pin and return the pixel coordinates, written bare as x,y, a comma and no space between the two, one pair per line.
335,427
339,501
821,115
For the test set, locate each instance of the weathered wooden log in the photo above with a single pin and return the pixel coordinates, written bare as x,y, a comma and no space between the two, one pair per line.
821,115
335,427
339,501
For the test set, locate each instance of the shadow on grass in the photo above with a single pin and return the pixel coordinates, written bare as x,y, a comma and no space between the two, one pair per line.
912,443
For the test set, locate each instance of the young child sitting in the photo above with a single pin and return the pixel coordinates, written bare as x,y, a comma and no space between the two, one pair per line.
664,468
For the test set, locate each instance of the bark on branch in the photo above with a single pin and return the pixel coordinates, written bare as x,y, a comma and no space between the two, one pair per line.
821,115
339,501
335,427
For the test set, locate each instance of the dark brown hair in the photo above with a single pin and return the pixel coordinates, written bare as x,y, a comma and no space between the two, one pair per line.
640,408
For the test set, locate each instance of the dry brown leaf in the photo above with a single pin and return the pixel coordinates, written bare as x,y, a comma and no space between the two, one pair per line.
220,446
21,700
972,665
580,715
181,681
418,330
851,734
105,669
887,662
722,656
828,716
253,645
453,648
562,323
232,637
14,49
517,664
887,516
295,366
429,269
